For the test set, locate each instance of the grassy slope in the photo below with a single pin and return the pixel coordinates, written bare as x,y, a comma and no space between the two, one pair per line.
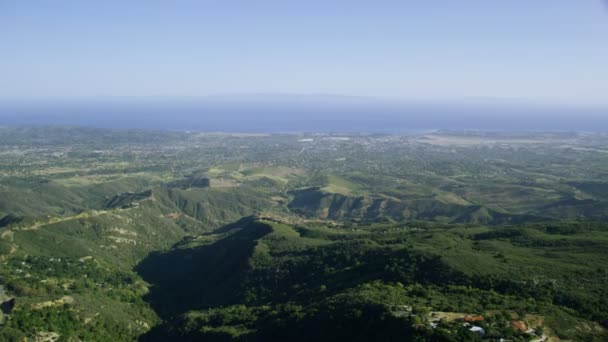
108,301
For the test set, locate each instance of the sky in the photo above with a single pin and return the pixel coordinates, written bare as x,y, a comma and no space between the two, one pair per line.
546,51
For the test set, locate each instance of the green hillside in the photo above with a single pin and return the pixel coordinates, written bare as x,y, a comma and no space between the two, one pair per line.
266,280
155,236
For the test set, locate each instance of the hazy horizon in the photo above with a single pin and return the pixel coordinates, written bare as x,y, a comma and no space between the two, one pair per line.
276,66
301,113
543,52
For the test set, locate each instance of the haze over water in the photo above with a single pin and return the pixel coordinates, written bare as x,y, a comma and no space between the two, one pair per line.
300,114
398,65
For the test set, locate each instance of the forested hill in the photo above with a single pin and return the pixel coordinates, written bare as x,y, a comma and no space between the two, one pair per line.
270,280
126,235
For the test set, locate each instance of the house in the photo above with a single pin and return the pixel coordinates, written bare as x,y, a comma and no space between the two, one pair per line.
478,330
472,318
519,325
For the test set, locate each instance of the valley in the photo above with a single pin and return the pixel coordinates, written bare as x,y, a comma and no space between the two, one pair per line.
440,236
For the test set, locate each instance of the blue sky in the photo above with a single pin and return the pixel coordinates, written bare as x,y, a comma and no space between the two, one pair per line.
549,51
